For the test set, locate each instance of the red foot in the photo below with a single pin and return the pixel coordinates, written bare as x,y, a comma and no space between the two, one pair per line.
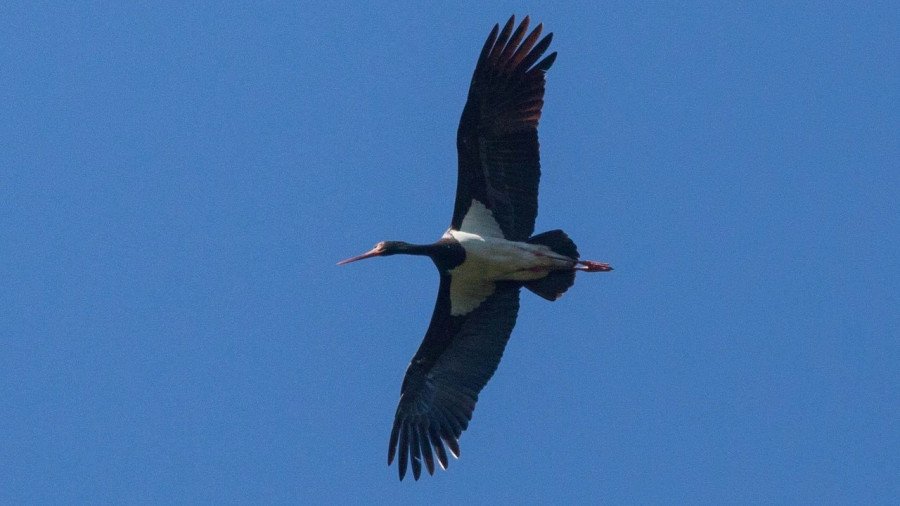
591,266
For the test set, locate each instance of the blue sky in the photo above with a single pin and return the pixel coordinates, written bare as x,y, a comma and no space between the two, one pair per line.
177,183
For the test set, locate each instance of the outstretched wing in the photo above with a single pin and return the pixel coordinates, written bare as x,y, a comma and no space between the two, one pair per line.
497,143
456,359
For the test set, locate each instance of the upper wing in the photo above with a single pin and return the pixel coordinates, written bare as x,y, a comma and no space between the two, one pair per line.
456,359
499,159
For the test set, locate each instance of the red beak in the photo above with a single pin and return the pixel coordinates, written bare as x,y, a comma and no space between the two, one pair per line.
374,252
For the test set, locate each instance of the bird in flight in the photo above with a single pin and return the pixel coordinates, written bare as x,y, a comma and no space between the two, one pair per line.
486,255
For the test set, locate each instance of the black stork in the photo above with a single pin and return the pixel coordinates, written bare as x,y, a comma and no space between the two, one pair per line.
486,255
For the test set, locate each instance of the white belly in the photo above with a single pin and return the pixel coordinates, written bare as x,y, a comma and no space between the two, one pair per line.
490,259
494,259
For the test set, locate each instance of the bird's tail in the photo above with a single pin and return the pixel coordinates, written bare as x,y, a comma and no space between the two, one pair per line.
552,286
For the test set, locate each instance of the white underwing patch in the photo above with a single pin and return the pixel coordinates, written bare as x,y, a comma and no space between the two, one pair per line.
480,220
467,294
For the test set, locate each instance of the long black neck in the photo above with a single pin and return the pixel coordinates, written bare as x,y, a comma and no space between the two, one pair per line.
427,250
446,253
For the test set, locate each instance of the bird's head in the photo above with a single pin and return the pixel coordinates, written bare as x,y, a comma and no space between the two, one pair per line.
382,249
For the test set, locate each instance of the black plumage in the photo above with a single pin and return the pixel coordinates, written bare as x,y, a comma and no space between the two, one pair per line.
497,144
499,165
486,256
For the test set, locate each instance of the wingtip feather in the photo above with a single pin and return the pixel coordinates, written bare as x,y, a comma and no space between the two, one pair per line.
438,447
525,47
392,444
453,446
503,38
488,44
545,64
514,41
425,449
403,456
415,454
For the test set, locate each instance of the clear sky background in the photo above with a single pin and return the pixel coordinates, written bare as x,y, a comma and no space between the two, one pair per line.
177,183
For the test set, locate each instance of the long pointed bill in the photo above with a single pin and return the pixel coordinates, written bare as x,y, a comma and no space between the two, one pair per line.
374,252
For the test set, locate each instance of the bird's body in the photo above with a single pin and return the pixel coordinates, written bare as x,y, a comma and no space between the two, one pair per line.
490,259
487,255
